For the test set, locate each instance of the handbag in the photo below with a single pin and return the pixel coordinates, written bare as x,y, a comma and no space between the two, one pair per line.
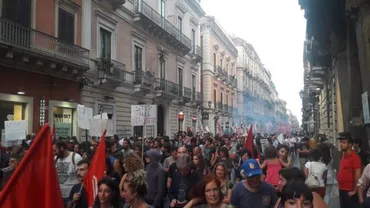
312,181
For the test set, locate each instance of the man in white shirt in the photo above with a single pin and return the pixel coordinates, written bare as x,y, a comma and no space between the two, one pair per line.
65,164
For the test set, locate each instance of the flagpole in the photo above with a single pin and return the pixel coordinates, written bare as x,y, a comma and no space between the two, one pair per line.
79,192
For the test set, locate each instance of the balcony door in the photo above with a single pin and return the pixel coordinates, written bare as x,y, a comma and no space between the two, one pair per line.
105,44
193,87
66,26
15,15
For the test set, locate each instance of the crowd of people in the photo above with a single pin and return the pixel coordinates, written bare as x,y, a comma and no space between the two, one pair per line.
208,171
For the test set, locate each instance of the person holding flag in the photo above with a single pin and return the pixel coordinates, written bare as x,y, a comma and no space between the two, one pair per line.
77,197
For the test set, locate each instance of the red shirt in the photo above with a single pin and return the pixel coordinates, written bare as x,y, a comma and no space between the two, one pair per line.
346,173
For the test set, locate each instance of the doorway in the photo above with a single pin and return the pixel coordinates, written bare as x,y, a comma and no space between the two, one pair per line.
160,120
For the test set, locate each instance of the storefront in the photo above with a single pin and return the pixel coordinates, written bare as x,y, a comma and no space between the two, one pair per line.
16,108
64,115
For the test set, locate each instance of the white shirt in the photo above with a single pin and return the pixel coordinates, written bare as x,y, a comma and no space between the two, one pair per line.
67,174
317,169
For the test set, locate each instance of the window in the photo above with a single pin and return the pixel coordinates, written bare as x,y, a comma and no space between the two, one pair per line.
180,82
193,39
66,26
138,58
232,102
221,64
162,8
227,67
214,61
214,97
193,86
179,23
105,43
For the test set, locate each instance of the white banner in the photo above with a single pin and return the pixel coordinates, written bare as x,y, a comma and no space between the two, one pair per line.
15,130
84,117
141,114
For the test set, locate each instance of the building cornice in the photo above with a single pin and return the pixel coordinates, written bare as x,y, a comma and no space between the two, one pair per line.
217,31
195,6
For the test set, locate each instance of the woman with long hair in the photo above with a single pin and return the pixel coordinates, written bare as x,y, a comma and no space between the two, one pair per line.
135,189
222,173
131,163
208,193
200,165
296,194
108,194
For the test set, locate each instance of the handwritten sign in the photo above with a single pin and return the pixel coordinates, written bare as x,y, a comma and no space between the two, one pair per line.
143,114
15,130
84,117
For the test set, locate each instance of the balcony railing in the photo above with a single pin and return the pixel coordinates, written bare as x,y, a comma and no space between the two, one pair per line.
168,86
187,92
198,51
143,8
199,96
226,107
17,35
112,68
145,78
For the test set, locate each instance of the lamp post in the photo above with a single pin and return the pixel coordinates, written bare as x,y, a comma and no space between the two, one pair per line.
180,117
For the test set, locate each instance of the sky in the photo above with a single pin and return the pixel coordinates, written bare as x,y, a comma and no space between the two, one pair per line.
276,29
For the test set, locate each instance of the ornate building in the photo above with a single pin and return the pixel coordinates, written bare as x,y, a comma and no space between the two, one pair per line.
218,76
258,100
143,52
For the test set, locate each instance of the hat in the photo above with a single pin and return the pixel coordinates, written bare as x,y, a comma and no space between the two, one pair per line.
344,135
251,168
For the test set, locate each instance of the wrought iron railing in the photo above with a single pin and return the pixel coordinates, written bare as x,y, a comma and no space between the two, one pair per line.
145,78
168,86
187,92
112,68
143,8
17,35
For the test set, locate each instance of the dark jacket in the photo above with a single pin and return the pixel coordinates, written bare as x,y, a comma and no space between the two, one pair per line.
155,179
193,178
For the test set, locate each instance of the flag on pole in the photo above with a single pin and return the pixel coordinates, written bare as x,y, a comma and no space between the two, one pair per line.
96,171
34,183
219,128
248,144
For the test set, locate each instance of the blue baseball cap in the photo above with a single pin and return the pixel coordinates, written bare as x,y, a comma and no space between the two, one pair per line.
251,168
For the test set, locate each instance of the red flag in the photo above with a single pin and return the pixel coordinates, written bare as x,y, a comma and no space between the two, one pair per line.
53,135
248,144
95,172
36,172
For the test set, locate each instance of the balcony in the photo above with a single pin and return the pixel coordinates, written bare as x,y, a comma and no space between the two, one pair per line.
144,82
167,90
34,50
197,53
158,26
115,72
187,95
219,106
225,107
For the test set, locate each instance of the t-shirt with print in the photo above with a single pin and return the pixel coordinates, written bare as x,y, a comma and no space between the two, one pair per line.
66,171
265,197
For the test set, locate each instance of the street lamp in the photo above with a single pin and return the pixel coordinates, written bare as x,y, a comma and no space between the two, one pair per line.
180,117
209,104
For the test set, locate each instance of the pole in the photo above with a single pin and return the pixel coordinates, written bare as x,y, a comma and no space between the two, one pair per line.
144,132
86,147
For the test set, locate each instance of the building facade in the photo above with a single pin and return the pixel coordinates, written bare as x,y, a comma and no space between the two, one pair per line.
143,52
336,60
258,100
41,62
218,76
